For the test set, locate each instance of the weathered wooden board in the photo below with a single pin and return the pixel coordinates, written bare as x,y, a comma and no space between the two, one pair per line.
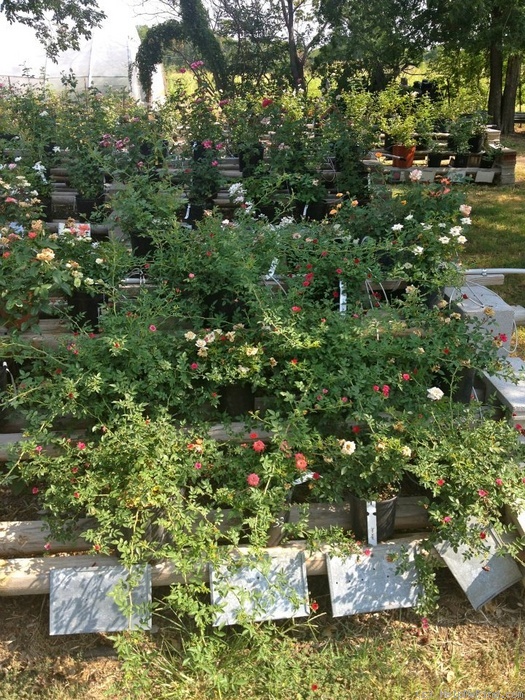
30,576
29,538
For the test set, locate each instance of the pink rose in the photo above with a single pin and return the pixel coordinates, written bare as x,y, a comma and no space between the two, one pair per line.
252,480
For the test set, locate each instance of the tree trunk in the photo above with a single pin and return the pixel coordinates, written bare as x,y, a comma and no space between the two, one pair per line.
296,65
508,105
495,87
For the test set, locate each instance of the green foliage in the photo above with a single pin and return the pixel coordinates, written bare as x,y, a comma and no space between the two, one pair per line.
195,27
346,386
467,490
144,204
30,274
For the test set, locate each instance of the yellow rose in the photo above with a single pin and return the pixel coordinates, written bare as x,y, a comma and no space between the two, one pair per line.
45,255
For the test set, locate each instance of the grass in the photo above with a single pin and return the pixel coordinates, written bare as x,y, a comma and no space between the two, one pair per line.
497,236
390,654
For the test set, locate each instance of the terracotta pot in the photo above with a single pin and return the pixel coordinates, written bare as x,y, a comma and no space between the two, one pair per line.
405,155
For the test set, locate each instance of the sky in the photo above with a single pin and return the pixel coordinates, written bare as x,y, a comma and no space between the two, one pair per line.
145,11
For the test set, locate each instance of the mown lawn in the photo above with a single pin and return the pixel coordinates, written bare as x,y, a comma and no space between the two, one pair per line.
497,236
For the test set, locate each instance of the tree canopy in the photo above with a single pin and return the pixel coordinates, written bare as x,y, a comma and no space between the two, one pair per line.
246,43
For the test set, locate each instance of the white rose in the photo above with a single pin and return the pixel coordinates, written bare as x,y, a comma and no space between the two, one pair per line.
435,393
347,447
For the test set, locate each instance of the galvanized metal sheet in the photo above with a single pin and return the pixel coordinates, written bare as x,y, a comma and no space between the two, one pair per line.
481,577
80,600
272,586
369,582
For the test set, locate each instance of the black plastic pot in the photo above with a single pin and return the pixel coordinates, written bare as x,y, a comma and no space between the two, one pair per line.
86,308
486,161
141,244
461,160
315,211
193,214
249,158
46,205
475,144
385,518
434,160
85,206
236,400
463,385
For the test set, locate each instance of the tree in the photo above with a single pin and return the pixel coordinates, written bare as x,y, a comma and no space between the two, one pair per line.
58,25
192,25
375,40
494,29
297,14
249,32
276,29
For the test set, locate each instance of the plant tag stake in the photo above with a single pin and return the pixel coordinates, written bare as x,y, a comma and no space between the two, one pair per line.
305,210
371,522
273,267
342,298
187,214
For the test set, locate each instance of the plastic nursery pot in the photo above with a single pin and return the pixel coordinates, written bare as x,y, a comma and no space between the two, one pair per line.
434,160
460,160
86,308
193,214
236,400
249,158
405,156
385,515
141,245
315,211
85,206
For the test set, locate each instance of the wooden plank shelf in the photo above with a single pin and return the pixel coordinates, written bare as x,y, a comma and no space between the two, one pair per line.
29,537
30,576
235,431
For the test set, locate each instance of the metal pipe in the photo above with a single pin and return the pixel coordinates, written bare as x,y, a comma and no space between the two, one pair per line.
496,271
